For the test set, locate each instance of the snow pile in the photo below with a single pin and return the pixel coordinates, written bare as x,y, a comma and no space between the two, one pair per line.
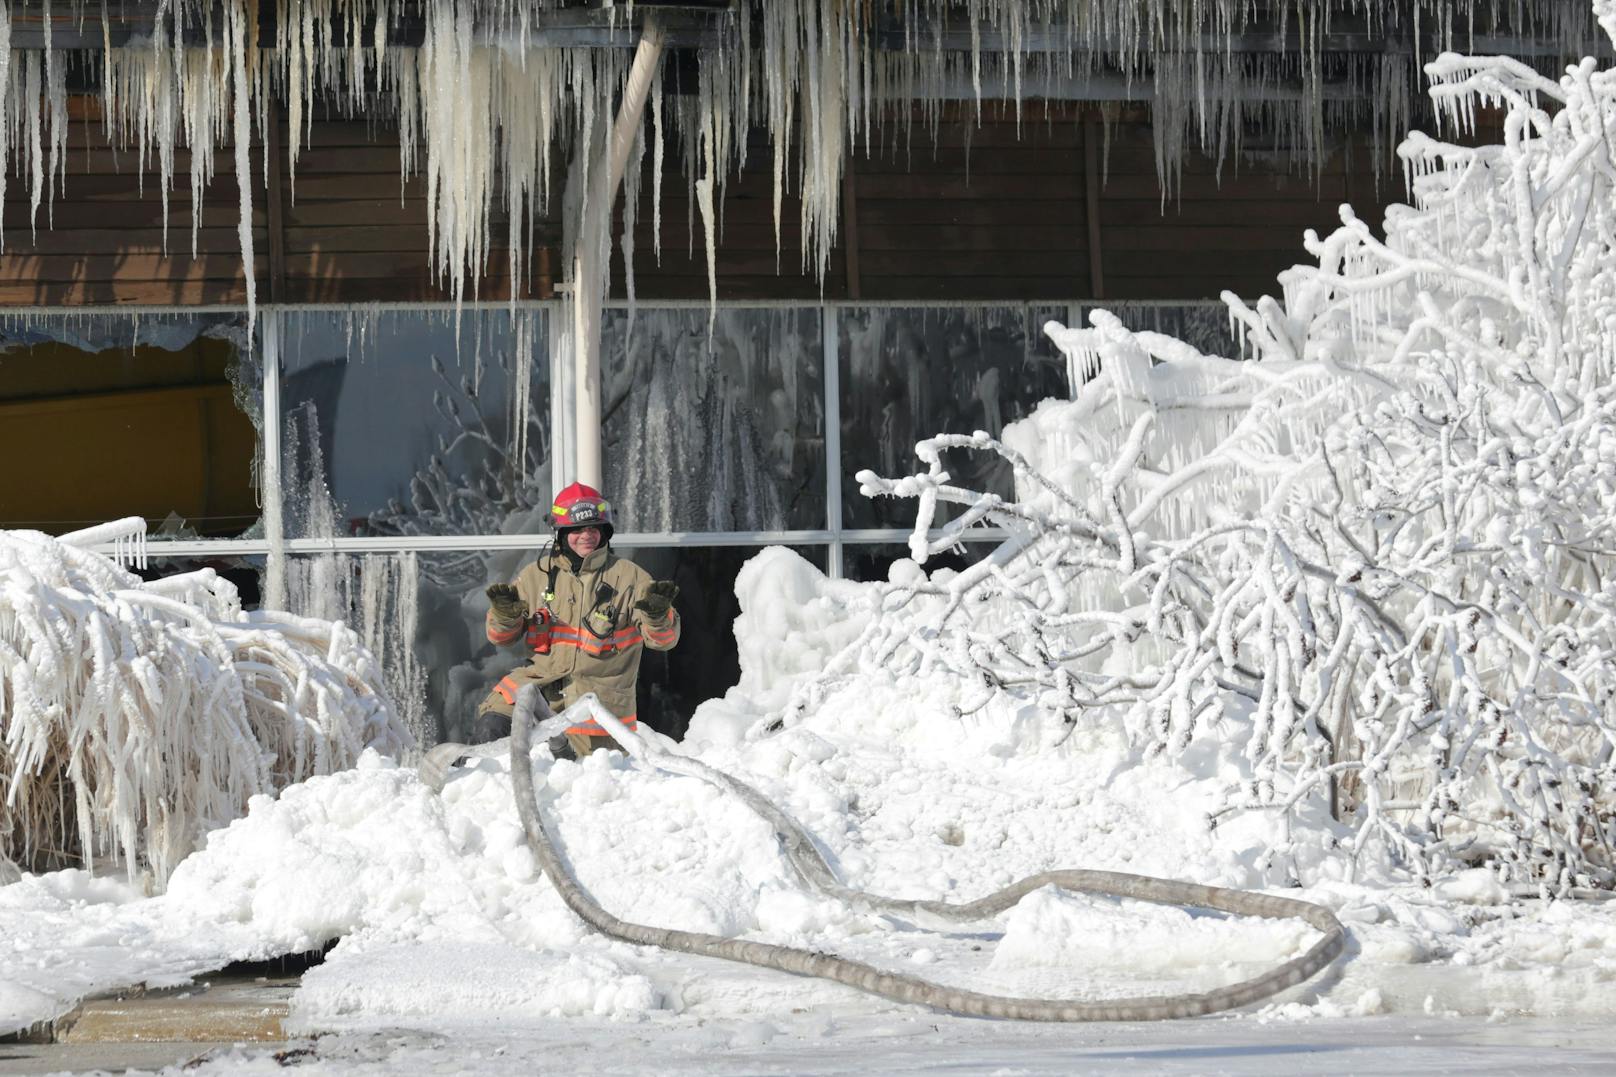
1374,554
443,917
793,620
877,747
464,982
135,717
444,922
1050,928
435,897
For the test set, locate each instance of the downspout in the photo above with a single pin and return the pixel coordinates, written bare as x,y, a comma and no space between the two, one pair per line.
592,245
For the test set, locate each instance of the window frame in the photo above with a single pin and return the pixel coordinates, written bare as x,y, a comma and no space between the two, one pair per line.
834,537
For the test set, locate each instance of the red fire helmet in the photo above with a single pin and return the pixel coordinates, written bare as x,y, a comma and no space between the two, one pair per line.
581,506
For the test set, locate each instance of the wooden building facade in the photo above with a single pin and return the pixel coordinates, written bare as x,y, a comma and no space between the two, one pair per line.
1056,206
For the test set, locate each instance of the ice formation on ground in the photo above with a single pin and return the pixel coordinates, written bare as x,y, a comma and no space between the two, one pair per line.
135,717
444,922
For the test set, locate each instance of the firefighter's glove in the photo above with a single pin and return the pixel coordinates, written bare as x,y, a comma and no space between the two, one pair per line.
658,599
508,608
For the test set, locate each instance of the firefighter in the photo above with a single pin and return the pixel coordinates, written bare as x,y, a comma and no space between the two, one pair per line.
584,614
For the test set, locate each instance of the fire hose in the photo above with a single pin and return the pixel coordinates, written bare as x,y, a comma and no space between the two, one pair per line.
812,870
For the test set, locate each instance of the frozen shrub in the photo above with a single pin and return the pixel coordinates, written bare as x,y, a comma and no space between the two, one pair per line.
135,717
1375,550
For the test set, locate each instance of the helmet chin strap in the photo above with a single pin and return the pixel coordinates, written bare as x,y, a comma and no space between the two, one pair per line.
555,567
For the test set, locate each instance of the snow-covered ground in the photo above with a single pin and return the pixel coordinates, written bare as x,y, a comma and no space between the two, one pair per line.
447,930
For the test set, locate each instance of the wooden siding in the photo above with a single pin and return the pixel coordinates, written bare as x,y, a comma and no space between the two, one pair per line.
348,231
987,212
1002,211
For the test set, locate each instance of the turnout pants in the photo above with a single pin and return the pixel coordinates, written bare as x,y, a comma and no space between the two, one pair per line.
495,712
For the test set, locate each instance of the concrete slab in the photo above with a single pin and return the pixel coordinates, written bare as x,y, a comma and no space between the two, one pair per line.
214,1011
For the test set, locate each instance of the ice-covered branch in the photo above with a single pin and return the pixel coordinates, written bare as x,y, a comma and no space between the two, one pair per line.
1375,556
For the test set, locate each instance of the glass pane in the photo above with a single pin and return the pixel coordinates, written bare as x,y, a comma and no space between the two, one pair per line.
406,422
909,373
152,415
714,431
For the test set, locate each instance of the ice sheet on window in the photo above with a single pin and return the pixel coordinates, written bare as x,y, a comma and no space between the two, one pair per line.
714,432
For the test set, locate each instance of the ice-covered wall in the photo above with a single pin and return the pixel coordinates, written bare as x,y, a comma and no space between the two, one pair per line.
135,717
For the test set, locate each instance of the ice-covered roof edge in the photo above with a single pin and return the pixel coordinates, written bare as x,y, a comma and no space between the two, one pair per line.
489,94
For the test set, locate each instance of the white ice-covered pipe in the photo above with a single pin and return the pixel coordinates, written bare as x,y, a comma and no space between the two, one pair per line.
590,247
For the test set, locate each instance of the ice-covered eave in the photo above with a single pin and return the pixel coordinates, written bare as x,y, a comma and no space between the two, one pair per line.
819,76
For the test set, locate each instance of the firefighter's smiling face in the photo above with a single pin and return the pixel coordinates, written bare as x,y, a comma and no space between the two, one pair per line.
583,541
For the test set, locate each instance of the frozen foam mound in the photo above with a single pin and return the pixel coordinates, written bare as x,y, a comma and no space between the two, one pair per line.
793,621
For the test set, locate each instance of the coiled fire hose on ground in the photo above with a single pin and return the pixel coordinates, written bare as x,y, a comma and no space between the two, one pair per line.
815,873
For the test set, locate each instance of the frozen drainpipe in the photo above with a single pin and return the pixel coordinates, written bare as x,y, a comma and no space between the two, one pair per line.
592,244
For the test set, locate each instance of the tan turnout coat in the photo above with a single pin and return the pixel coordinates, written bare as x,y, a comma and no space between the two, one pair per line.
587,635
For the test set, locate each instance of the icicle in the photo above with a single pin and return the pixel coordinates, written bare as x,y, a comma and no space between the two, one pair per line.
7,104
704,199
235,28
36,158
631,205
521,386
56,92
656,176
482,108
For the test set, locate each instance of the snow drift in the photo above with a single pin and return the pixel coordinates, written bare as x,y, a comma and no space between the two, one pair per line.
135,717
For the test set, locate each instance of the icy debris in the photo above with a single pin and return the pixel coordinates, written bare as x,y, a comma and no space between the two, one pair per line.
1374,557
137,716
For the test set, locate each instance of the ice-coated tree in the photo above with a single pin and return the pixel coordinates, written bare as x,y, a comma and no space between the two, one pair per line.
136,716
1377,549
